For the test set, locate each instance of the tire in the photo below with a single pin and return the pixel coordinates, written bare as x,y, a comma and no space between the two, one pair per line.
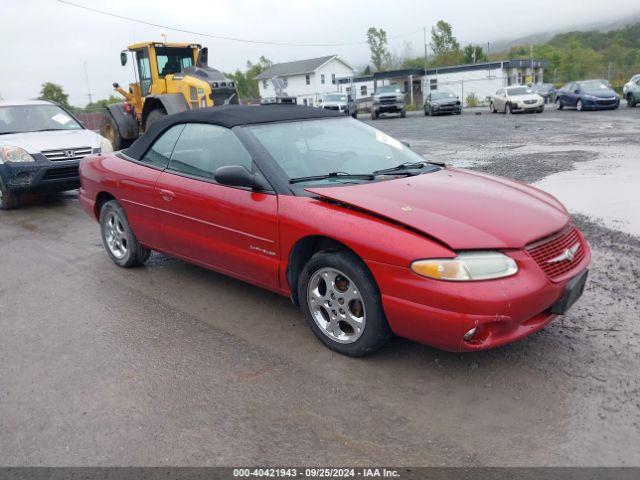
118,238
354,114
493,108
508,108
403,113
540,110
558,103
631,100
8,199
374,115
153,117
328,278
579,105
426,111
109,130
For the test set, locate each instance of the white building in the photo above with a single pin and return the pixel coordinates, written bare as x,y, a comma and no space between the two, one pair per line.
307,80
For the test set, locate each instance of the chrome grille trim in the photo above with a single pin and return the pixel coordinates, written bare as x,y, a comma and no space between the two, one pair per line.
61,155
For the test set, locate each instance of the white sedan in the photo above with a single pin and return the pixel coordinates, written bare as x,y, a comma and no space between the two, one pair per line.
516,99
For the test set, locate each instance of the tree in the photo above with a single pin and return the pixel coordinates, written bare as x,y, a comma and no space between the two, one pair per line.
474,54
101,104
443,42
377,40
367,70
245,81
54,93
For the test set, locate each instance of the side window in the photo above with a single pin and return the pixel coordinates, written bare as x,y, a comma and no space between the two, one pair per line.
203,148
160,152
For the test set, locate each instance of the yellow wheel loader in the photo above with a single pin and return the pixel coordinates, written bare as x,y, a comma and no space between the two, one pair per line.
170,78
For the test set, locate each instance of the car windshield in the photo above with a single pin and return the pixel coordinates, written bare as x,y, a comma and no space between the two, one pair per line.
389,89
442,95
519,91
320,147
35,118
543,87
593,86
335,98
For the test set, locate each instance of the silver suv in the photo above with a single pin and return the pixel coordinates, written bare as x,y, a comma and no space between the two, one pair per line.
388,99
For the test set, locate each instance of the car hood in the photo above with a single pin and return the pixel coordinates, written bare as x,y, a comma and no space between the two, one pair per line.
462,209
35,142
334,104
601,93
527,96
445,101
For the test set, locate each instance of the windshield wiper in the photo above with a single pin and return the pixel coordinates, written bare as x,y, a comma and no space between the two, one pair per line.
405,167
354,176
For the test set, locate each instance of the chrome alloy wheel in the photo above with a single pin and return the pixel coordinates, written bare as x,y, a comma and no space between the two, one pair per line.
115,236
336,305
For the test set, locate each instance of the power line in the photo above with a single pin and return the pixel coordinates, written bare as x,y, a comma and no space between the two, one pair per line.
222,37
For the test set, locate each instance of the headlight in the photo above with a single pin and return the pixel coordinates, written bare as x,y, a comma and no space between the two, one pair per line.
105,146
590,97
400,98
467,266
15,155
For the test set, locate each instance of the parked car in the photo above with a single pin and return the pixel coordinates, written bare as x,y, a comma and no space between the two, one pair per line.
340,102
439,102
631,91
546,90
587,95
516,99
366,236
388,99
41,145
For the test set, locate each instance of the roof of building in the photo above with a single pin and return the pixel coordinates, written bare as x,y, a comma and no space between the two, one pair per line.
297,67
15,103
228,116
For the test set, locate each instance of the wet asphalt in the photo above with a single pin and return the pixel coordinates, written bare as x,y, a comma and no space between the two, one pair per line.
172,364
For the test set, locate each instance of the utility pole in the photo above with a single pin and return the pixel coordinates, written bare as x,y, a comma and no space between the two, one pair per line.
489,58
86,76
532,63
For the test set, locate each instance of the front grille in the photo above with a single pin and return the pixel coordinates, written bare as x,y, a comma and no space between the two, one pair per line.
530,102
66,154
61,173
551,247
388,100
332,108
606,102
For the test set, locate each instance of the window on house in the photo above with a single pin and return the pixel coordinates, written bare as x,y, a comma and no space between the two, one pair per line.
307,79
348,89
333,78
322,78
285,82
519,78
433,84
264,84
363,90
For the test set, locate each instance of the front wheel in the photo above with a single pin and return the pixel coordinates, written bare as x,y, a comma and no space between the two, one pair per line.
343,304
154,116
374,115
631,100
559,105
354,114
118,238
8,199
579,105
540,110
493,108
403,113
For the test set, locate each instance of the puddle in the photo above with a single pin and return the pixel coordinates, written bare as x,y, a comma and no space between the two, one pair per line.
607,189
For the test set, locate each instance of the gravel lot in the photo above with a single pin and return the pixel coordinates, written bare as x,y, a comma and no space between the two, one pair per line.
175,365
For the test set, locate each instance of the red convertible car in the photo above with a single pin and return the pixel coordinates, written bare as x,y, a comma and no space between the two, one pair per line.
367,237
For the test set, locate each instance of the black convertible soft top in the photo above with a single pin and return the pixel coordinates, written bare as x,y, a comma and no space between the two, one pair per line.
228,116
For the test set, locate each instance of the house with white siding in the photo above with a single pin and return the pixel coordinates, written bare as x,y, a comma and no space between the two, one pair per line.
307,80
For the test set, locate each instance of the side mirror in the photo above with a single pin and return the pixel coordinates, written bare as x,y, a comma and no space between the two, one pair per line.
576,91
203,58
123,58
239,176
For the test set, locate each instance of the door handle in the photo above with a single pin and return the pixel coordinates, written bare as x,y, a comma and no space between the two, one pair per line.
167,195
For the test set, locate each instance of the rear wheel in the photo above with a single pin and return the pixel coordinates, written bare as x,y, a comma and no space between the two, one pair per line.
342,303
118,238
8,199
110,131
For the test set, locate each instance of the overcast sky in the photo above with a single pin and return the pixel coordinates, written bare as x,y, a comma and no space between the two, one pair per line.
44,40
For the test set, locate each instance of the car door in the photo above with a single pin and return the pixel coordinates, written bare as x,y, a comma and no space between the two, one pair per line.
499,99
230,229
136,188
